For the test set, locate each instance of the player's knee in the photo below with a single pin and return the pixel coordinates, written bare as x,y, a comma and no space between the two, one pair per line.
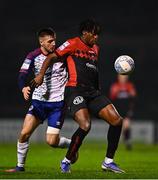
52,142
83,119
117,122
24,137
86,126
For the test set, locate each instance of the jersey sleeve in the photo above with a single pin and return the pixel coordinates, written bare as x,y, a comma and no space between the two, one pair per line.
67,48
25,69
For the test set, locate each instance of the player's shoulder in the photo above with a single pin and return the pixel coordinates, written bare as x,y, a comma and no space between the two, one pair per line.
73,40
32,54
69,43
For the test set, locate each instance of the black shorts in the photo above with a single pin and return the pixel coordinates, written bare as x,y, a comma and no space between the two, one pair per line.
79,98
124,107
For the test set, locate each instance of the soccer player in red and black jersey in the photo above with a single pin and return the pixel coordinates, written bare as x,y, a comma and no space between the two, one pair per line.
82,93
123,94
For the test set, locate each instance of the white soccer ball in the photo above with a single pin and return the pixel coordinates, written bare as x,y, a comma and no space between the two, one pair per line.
124,65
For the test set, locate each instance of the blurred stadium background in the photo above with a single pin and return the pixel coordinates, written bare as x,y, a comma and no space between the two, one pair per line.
128,27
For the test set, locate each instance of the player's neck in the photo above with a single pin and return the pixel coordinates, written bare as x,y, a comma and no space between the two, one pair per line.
84,41
44,51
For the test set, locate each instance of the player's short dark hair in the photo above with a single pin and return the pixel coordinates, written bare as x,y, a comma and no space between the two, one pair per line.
89,25
46,31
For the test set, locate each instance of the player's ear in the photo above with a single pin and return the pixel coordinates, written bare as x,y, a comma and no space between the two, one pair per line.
40,41
84,32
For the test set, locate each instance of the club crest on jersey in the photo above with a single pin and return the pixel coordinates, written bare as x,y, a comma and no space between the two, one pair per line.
91,66
78,100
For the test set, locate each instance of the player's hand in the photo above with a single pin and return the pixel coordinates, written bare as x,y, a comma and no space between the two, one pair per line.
37,81
26,92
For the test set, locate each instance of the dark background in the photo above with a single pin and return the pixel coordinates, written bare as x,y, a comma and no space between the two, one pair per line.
128,27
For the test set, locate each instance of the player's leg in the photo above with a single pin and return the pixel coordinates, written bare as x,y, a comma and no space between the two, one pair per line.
83,120
127,133
29,125
78,109
57,141
110,114
55,123
103,108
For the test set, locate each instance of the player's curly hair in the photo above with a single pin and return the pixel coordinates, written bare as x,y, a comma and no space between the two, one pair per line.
89,25
46,31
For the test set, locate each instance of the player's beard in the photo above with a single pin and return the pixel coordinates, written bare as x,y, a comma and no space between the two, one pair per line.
50,50
92,42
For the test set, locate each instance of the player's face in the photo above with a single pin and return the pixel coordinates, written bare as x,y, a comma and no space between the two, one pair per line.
48,43
91,38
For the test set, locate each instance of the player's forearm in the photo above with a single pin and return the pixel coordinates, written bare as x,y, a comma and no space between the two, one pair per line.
51,59
22,80
38,80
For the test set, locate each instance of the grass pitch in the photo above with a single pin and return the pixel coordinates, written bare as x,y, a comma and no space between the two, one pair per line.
43,162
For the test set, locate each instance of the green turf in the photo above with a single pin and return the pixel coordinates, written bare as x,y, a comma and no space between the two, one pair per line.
43,162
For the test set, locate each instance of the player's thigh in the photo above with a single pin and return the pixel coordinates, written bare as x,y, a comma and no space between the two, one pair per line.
98,103
110,114
77,107
39,109
102,107
82,117
74,101
30,124
52,139
55,117
55,123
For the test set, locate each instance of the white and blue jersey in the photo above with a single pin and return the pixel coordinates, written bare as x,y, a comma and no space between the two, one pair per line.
52,88
47,99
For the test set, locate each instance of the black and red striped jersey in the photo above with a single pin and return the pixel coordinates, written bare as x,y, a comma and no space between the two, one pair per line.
82,62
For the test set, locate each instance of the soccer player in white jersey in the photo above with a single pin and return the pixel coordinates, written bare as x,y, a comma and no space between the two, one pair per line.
47,100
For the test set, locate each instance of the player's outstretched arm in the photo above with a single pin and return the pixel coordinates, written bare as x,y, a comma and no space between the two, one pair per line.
38,80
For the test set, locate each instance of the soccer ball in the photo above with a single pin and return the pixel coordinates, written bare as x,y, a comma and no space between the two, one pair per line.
124,65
